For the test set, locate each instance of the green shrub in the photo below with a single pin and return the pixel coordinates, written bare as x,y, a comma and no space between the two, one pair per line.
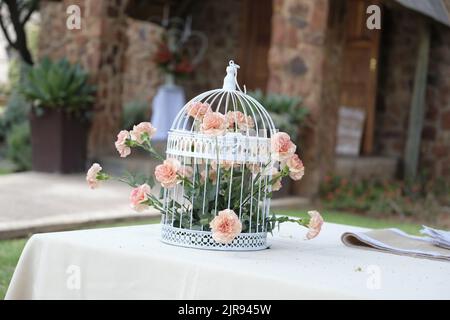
134,112
19,146
287,112
58,85
16,112
388,197
15,131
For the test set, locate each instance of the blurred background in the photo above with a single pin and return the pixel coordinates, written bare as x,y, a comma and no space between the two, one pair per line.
363,86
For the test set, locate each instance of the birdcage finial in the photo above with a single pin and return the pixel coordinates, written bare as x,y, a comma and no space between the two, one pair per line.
230,80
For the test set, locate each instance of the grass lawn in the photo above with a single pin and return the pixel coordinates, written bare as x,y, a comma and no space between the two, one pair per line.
4,171
10,250
359,220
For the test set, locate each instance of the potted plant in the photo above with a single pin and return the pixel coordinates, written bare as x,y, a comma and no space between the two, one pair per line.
288,112
61,99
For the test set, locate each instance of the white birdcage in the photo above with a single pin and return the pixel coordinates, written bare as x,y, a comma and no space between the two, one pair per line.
231,169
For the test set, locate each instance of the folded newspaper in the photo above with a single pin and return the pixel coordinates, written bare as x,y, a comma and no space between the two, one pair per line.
435,246
440,238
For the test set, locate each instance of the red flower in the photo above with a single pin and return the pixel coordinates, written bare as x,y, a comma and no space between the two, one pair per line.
163,54
184,66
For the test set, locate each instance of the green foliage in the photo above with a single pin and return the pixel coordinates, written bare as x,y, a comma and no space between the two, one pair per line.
207,188
16,112
58,85
9,256
137,179
358,220
13,73
32,30
288,113
215,189
387,197
19,146
15,130
16,66
134,112
274,221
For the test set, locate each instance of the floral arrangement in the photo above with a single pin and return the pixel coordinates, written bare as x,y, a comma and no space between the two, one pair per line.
176,62
218,213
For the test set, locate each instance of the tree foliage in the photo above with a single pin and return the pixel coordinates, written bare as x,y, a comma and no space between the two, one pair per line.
14,14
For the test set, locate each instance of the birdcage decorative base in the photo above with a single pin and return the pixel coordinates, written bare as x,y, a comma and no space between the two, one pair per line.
203,240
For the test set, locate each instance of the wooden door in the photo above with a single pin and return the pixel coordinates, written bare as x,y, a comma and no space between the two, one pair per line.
256,27
360,59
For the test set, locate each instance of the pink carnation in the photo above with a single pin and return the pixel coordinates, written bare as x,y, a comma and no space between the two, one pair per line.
224,164
214,123
315,224
198,110
212,175
167,173
139,196
120,143
140,129
282,146
225,226
254,168
237,117
186,172
91,176
296,168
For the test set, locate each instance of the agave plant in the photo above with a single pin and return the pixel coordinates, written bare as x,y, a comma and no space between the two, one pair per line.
58,85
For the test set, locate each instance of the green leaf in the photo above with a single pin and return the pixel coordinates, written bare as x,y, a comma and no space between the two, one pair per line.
58,84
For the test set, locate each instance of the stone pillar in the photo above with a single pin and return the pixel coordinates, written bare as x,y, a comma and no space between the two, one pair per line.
108,60
99,47
141,77
296,67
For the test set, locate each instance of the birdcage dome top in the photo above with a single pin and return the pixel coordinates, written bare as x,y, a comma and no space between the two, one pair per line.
223,124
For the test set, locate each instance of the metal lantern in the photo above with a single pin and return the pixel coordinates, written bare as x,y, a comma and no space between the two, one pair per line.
231,170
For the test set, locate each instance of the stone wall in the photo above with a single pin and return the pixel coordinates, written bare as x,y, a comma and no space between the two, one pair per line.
398,52
140,75
397,69
304,60
330,100
117,51
216,19
296,67
99,46
435,148
219,21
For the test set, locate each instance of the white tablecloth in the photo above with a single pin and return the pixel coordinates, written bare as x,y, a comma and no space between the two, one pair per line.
131,263
167,102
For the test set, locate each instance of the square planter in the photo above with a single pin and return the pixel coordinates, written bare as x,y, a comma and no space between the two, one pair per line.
58,142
